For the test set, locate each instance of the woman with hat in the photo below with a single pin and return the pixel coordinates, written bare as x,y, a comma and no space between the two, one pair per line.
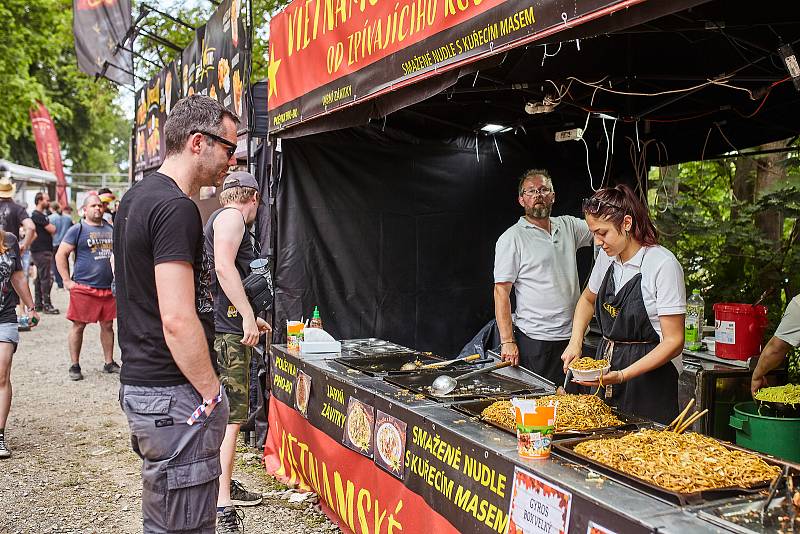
636,291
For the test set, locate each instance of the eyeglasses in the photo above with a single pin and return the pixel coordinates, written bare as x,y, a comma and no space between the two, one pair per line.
542,192
231,146
593,205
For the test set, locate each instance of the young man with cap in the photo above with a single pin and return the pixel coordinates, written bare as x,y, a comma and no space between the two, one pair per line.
229,245
90,297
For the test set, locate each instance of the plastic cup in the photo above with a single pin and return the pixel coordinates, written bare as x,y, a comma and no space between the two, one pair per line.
535,427
294,334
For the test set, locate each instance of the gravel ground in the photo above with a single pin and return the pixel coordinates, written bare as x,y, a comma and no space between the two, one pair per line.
72,469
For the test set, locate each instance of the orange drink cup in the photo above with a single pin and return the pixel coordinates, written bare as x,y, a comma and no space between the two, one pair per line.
535,427
294,334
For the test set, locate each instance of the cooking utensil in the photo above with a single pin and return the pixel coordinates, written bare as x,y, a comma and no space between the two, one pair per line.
445,384
412,366
772,489
563,389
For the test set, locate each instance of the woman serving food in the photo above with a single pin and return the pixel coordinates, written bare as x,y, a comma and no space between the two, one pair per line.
637,292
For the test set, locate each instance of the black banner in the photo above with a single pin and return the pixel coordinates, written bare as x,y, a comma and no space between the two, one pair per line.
226,57
153,104
99,26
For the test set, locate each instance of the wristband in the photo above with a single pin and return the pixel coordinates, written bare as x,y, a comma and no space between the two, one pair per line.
507,342
622,375
202,408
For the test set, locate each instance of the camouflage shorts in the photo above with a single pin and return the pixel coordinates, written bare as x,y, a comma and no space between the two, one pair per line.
233,358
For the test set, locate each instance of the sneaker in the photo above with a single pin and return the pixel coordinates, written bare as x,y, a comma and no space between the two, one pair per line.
75,372
230,521
50,310
111,368
4,451
241,497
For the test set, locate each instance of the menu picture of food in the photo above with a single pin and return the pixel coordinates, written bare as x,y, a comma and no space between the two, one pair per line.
302,393
358,427
237,92
390,443
224,75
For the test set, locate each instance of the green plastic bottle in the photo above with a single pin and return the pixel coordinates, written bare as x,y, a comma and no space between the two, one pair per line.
693,327
316,320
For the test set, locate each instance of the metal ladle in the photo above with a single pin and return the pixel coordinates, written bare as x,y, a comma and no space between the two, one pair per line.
445,384
412,366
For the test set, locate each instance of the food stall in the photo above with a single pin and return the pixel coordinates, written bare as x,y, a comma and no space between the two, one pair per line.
388,458
396,170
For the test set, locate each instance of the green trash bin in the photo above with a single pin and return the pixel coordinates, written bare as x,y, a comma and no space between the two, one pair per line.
778,436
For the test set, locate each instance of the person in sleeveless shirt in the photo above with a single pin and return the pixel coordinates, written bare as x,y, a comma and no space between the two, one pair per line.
229,246
636,291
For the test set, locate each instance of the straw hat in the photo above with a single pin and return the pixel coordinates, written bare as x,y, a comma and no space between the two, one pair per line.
7,188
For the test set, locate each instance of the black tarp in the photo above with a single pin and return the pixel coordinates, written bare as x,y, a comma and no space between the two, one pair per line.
393,236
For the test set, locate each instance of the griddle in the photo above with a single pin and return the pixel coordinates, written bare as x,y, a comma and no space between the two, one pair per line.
391,363
483,386
372,347
566,448
475,409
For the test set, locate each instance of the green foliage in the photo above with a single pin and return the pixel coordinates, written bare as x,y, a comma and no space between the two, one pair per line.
37,62
717,238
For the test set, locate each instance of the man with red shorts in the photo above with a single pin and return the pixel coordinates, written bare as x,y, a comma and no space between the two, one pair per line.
90,297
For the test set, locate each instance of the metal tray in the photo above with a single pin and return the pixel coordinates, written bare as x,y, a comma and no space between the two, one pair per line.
482,386
391,363
476,407
566,448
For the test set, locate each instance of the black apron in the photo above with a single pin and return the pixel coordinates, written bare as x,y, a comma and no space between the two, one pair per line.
624,322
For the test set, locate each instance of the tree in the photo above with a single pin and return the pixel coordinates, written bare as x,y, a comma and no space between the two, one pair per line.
37,62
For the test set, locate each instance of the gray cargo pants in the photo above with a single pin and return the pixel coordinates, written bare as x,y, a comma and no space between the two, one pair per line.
180,463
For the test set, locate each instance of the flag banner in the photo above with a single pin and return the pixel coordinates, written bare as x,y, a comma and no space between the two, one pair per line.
49,149
99,26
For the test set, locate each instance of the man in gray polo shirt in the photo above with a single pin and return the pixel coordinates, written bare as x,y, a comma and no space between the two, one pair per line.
536,257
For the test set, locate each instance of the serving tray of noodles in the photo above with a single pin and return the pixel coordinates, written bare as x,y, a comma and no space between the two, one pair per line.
686,468
576,415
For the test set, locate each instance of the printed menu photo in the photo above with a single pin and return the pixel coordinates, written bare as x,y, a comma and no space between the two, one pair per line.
390,443
358,427
302,393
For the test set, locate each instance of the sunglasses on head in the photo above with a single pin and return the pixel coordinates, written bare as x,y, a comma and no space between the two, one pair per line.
594,205
231,146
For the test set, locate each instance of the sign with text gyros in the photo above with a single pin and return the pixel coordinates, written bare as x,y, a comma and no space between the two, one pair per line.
325,54
538,506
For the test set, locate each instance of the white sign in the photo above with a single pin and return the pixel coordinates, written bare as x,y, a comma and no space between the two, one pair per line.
725,332
538,506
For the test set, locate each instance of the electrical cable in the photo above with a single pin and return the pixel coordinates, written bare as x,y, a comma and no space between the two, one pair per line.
494,138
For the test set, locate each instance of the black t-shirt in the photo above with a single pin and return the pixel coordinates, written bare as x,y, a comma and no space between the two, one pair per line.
11,216
226,318
44,239
9,263
156,223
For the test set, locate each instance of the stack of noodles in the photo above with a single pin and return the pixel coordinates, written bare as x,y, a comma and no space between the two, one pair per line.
788,394
683,463
588,364
574,412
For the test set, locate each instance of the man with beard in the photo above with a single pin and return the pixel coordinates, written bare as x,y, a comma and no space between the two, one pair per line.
90,298
171,394
536,257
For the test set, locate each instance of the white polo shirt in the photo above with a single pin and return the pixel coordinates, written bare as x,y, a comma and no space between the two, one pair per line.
544,272
789,327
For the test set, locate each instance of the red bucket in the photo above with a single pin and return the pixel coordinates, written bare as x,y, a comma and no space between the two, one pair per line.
739,329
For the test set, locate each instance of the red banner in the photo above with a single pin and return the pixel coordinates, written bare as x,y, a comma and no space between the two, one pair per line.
353,491
49,149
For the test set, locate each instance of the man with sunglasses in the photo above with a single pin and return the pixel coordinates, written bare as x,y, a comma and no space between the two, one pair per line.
176,408
536,257
230,247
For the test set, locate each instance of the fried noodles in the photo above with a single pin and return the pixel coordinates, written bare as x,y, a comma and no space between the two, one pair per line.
683,463
575,412
588,364
788,394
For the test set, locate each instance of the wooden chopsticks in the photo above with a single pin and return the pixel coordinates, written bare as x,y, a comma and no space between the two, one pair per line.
679,425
